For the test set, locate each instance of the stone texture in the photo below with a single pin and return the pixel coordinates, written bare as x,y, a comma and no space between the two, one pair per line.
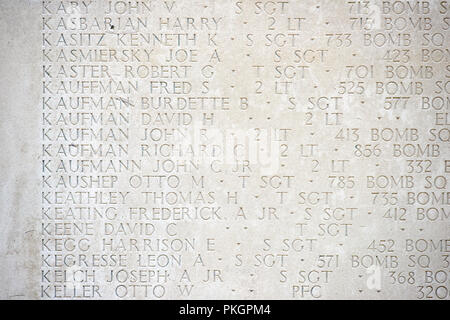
224,149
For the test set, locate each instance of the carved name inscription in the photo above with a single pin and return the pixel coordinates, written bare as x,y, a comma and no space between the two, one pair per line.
244,149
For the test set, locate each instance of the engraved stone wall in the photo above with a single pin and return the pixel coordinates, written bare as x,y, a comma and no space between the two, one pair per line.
225,149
